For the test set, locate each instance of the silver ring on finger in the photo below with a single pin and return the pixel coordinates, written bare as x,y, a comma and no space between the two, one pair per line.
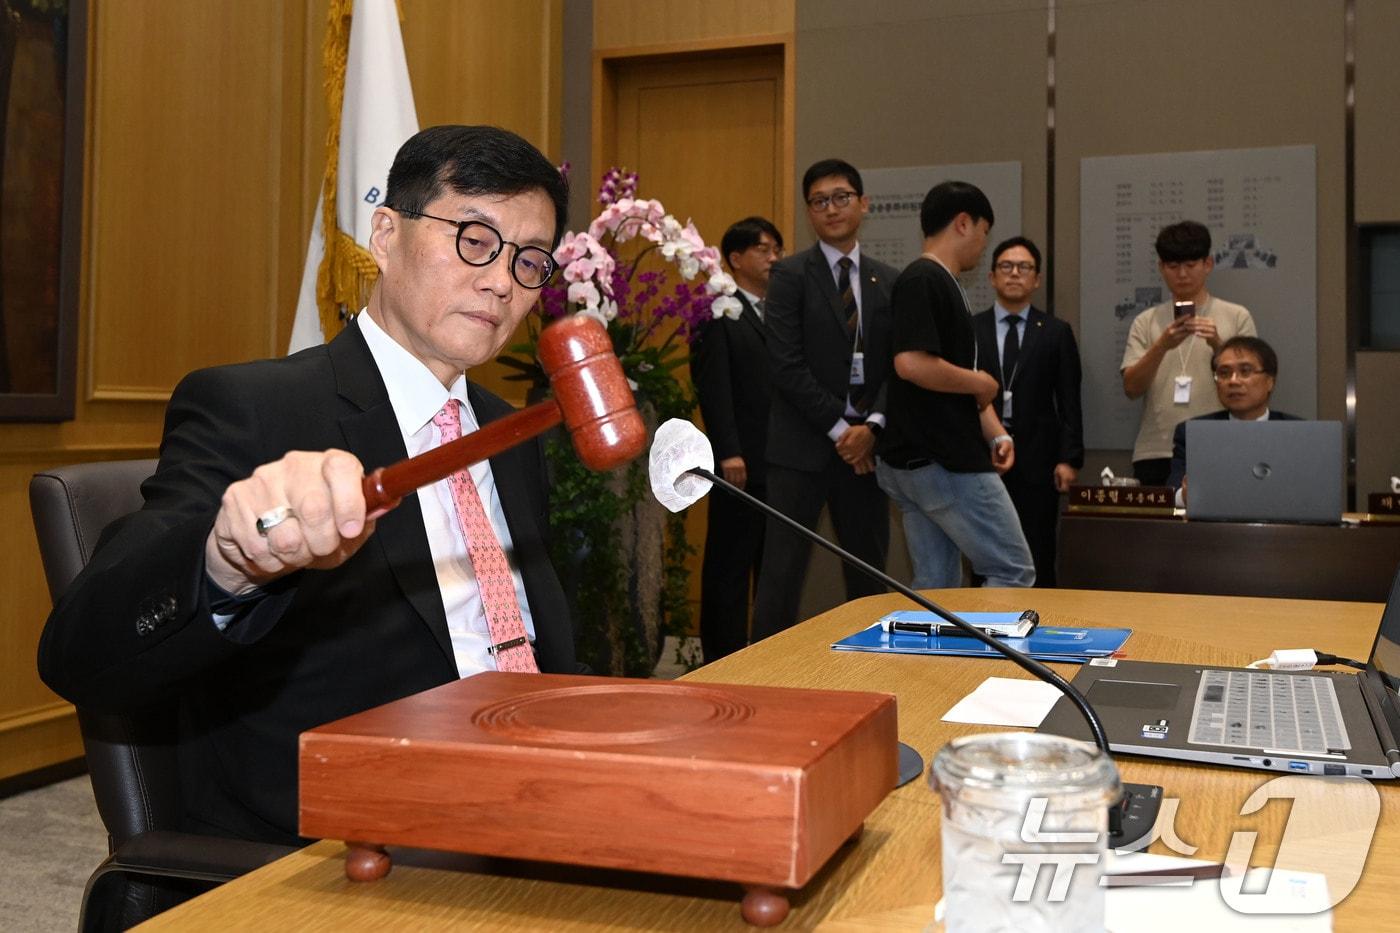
274,517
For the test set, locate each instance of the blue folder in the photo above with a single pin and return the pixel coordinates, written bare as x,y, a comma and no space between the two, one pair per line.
1046,643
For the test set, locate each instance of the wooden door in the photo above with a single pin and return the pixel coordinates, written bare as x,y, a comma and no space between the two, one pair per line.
705,133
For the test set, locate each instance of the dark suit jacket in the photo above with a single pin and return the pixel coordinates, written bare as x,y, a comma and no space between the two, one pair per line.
1179,441
321,644
729,365
810,354
1046,418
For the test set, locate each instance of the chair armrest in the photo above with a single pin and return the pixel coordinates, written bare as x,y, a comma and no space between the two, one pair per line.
173,854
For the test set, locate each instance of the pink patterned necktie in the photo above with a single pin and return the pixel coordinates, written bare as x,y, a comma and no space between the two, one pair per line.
509,645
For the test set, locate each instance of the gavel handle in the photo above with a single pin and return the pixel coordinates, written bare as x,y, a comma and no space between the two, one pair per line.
387,485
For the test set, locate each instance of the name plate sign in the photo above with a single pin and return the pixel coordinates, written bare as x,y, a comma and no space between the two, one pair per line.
1383,507
1150,501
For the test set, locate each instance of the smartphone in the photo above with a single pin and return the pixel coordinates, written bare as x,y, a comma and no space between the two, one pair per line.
1185,309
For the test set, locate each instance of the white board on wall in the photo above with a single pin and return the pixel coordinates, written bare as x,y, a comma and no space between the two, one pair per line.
1261,208
891,231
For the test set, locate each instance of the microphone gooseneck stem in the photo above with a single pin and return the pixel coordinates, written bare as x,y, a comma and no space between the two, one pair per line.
1025,661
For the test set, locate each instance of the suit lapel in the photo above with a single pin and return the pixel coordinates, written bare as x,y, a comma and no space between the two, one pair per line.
820,272
372,434
750,316
871,295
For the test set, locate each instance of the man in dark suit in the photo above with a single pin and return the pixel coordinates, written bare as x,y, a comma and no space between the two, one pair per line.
729,364
1036,364
828,315
252,591
1245,371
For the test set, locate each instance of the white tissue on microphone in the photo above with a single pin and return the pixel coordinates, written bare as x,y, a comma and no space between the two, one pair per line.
679,446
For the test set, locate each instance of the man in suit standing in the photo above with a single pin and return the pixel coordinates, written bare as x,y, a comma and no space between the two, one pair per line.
1036,364
729,364
828,315
252,591
1245,370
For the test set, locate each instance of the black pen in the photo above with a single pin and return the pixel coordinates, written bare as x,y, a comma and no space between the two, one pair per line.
930,630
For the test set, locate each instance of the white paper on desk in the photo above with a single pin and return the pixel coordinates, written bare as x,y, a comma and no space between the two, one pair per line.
1005,701
1200,906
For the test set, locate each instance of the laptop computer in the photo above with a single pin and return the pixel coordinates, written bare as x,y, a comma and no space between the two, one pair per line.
1308,722
1264,471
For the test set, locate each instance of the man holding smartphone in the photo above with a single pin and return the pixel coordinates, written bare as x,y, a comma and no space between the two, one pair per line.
1170,345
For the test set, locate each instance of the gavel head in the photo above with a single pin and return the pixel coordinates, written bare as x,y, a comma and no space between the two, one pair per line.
592,392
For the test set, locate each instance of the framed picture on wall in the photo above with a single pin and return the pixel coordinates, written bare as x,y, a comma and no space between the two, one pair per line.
43,64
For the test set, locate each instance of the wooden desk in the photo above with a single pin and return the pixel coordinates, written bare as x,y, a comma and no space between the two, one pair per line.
889,880
1160,555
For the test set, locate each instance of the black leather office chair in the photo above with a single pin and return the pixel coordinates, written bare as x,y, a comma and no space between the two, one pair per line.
131,758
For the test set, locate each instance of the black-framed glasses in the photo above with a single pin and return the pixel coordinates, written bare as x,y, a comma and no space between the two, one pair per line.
841,200
479,243
1245,373
1006,267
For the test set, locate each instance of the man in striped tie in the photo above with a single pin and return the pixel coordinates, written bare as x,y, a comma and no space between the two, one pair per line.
252,593
828,316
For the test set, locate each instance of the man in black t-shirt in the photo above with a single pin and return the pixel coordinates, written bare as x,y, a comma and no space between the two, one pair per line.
943,445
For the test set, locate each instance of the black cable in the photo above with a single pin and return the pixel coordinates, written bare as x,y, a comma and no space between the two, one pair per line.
1344,662
1039,670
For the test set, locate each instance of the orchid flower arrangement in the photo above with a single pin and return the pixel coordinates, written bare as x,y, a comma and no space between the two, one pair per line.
635,306
628,595
607,272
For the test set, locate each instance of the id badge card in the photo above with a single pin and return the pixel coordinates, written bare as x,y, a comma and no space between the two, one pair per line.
1005,404
858,369
1181,390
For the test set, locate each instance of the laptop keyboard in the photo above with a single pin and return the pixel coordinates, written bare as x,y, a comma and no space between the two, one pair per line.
1261,709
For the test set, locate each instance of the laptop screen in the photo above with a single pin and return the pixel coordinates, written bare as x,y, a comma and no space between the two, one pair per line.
1264,471
1385,653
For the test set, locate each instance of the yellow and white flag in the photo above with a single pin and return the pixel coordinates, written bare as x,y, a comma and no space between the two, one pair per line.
370,102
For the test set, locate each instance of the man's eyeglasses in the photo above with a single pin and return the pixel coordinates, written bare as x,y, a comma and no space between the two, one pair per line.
1006,267
840,200
1226,373
479,243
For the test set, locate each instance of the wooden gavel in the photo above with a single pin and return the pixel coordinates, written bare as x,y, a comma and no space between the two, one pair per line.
591,398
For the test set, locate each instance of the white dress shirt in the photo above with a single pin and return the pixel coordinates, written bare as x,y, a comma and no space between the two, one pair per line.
416,396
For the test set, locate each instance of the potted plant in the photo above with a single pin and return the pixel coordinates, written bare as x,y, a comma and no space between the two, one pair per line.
653,283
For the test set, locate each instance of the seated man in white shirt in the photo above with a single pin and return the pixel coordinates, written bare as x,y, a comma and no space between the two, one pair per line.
1245,370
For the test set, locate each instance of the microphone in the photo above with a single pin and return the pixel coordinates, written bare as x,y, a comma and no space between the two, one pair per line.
681,466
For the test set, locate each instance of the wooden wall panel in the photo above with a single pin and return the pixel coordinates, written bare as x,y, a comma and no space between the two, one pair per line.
185,252
924,84
623,24
1377,129
477,61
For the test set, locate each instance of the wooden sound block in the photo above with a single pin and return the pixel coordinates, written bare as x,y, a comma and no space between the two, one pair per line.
758,785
